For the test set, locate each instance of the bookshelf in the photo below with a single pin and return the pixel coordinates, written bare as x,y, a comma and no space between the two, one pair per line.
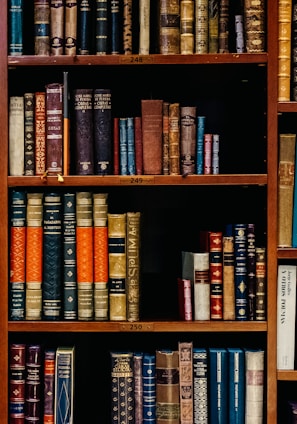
225,80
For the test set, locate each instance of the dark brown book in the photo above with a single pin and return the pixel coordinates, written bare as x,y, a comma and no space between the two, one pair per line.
138,145
254,20
54,128
224,26
169,27
174,139
127,26
116,146
42,27
33,411
152,116
29,133
188,139
17,379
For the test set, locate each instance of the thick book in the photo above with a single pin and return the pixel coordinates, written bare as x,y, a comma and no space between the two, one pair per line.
149,387
49,361
15,27
42,27
17,381
152,117
240,271
117,257
83,131
218,385
29,136
70,27
188,139
122,386
185,350
228,275
52,287
284,49
84,27
286,313
16,135
169,27
17,255
54,128
64,384
102,131
138,386
255,31
174,139
57,15
201,286
187,33
40,133
286,175
200,385
216,274
254,385
33,383
236,385
201,26
167,387
101,27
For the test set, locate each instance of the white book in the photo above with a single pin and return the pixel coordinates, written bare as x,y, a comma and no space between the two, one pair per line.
286,312
144,26
16,136
201,287
254,386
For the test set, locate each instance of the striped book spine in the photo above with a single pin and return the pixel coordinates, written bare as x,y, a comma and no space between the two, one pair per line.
17,377
216,274
149,388
201,385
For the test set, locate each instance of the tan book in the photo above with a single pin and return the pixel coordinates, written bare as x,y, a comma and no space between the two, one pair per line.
284,49
70,27
286,172
57,14
187,27
144,26
16,135
228,278
201,26
152,117
169,27
174,139
186,382
213,26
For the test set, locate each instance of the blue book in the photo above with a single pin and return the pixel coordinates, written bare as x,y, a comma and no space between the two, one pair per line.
200,145
240,272
236,385
15,27
101,27
52,257
116,28
84,27
123,147
200,385
149,388
64,385
130,146
69,256
218,385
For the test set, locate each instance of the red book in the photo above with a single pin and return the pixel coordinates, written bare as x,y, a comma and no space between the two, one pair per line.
40,134
17,369
54,128
207,153
138,145
184,299
116,146
216,274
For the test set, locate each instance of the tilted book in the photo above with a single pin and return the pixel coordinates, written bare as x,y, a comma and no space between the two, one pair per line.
254,385
188,139
286,313
218,385
185,350
33,383
236,369
286,175
149,387
64,385
17,382
49,385
15,27
42,27
102,131
70,27
54,128
201,286
29,160
57,15
200,385
16,135
169,27
284,50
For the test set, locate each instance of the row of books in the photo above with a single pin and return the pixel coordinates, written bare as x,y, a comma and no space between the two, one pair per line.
168,138
101,27
188,385
70,258
227,281
41,384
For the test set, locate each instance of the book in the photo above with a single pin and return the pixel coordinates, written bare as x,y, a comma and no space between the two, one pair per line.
29,149
17,255
254,20
83,131
49,385
116,28
57,15
138,145
213,26
85,255
215,157
188,139
133,279
200,145
167,386
149,387
169,27
239,34
286,313
185,350
127,27
207,153
102,131
152,117
293,77
200,385
187,34
224,26
144,26
236,385
101,28
284,49
251,271
165,138
138,386
66,125
216,274
122,385
17,379
123,146
52,287
201,26
64,384
201,286
286,174
33,381
84,27
294,206
15,27
254,385
261,284
185,299
228,275
42,27
40,133
54,128
117,256
240,271
131,170
16,135
174,139
70,27
218,385
116,146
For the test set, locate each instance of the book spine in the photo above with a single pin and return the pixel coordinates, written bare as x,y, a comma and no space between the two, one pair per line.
215,160
115,23
185,299
167,386
127,26
216,274
188,139
187,36
101,27
64,385
116,146
70,27
240,272
169,27
84,29
144,26
185,350
33,384
102,131
224,26
200,145
49,386
15,25
29,160
122,383
200,385
16,135
138,145
165,138
236,367
254,386
261,284
284,49
293,77
213,26
57,13
174,139
117,257
207,149
42,27
17,378
123,146
17,255
54,128
218,385
228,278
130,147
149,388
251,271
254,18
52,257
239,34
201,286
133,266
40,133
138,386
201,26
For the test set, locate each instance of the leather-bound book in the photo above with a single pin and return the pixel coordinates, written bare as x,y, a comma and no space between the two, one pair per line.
54,128
33,411
116,146
228,275
174,139
239,34
138,145
64,384
185,299
251,271
200,145
254,19
70,27
188,139
224,26
116,33
16,135
84,137
52,287
152,117
165,138
261,284
213,26
293,77
15,27
102,131
40,133
216,274
149,387
101,31
29,107
17,382
207,156
240,271
186,393
57,14
138,386
144,26
201,385
123,146
201,26
84,27
187,36
127,26
236,386
130,146
201,286
49,386
254,385
215,159
218,385
169,26
284,49
42,27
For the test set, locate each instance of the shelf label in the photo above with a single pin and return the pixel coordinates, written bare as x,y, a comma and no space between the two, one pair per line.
136,59
137,180
136,326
